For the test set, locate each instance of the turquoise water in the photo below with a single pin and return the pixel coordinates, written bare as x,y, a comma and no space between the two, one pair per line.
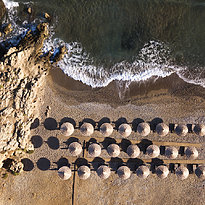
126,39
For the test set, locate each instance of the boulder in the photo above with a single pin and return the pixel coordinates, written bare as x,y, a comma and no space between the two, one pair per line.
2,9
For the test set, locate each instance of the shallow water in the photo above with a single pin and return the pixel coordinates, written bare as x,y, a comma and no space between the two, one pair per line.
128,40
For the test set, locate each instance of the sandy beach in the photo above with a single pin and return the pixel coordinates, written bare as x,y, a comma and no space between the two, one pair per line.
165,99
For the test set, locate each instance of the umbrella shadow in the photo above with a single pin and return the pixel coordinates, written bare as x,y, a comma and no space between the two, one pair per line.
67,119
154,123
124,144
134,163
136,122
35,124
172,167
102,121
171,127
37,141
50,124
62,162
88,120
155,163
182,150
97,161
107,141
120,121
91,141
43,164
162,150
190,128
115,163
70,140
144,144
28,165
81,161
53,143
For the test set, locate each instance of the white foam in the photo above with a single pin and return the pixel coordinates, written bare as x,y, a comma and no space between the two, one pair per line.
10,4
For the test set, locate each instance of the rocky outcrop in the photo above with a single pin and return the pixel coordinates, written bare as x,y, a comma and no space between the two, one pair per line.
2,9
23,68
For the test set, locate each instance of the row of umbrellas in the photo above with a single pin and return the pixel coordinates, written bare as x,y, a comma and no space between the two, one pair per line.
133,151
125,130
124,172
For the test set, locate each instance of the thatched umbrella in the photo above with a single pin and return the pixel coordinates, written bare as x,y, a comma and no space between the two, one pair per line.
125,130
191,152
64,173
162,129
106,129
200,172
162,171
124,172
181,130
67,129
153,151
199,129
84,172
87,129
113,150
75,148
94,150
171,152
182,172
143,129
143,171
103,172
133,151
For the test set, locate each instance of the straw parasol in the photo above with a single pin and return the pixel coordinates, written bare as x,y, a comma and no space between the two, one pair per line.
124,172
64,173
103,172
153,151
106,129
143,128
200,172
67,129
162,129
75,148
143,171
181,130
87,129
113,150
199,129
133,151
125,130
84,172
191,152
182,172
162,171
171,152
94,150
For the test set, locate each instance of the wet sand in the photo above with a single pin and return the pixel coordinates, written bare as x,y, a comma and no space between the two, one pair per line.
170,100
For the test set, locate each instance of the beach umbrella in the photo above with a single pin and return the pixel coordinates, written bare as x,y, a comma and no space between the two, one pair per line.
182,172
94,150
103,172
171,152
87,129
113,150
162,171
200,172
162,129
75,148
191,152
84,172
181,130
106,129
133,151
199,129
67,129
143,129
64,173
124,172
143,171
125,130
153,151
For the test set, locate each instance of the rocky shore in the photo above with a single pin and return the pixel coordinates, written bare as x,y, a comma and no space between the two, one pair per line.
23,68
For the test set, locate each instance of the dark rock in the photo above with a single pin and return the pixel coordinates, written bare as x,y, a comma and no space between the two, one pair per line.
2,9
